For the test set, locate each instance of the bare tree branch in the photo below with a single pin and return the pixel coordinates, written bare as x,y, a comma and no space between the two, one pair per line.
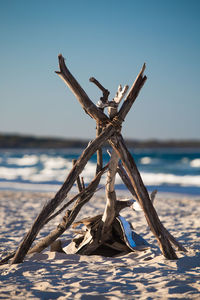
77,90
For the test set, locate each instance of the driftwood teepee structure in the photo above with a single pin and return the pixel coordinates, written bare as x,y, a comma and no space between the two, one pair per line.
100,228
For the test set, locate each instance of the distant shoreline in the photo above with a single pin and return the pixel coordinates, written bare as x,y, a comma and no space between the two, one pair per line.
9,141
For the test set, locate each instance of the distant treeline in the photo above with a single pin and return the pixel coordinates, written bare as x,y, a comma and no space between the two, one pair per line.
20,141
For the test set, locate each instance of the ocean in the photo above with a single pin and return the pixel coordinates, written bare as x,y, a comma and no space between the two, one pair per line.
167,170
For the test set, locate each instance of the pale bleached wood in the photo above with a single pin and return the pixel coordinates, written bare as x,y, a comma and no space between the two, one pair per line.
121,92
110,209
109,212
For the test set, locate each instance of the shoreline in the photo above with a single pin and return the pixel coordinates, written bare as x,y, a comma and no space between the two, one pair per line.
46,188
20,141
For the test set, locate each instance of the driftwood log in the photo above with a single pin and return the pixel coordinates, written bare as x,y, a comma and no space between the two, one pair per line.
108,130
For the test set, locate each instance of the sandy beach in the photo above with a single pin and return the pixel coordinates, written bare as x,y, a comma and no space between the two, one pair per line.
137,275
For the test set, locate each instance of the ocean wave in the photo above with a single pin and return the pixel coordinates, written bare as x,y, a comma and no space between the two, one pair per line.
52,167
171,179
55,162
14,173
47,175
145,160
26,160
195,163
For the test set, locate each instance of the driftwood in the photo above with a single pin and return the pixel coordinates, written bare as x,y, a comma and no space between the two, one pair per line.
49,208
108,130
110,209
84,243
70,215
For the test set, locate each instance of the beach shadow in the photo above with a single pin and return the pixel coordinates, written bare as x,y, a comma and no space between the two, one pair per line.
187,263
46,295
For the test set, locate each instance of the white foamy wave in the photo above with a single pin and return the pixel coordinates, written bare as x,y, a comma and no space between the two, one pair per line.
14,173
26,160
46,175
195,163
55,162
161,178
145,160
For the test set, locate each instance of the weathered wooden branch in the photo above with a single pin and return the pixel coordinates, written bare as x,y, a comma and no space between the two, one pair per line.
78,181
109,212
70,216
130,187
90,242
77,90
7,258
152,218
122,173
88,105
103,100
61,194
132,95
112,111
84,197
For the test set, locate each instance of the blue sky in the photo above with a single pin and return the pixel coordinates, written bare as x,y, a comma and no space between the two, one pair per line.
107,39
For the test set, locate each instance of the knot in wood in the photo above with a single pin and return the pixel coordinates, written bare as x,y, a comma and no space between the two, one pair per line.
116,123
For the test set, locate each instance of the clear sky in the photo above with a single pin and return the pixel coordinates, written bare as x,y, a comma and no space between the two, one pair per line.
107,39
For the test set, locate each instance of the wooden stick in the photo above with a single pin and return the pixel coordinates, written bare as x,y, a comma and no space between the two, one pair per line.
80,94
117,99
109,212
103,100
132,95
106,93
99,151
69,218
122,173
84,196
61,194
78,181
152,218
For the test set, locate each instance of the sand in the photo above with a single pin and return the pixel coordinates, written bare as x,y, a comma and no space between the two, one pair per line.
137,275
